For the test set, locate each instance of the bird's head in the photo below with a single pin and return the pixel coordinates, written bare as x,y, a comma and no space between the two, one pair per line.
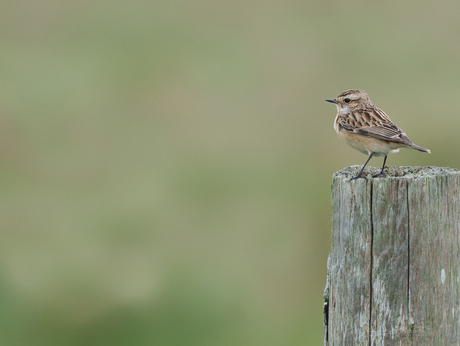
351,100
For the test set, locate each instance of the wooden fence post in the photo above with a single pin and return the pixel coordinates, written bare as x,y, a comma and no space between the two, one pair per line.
394,267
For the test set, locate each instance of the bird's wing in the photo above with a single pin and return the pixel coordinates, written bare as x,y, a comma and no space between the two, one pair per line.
373,122
387,132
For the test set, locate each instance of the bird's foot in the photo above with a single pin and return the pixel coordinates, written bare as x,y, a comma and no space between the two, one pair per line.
359,175
379,175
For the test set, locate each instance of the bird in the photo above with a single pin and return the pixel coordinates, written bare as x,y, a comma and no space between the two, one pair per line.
368,129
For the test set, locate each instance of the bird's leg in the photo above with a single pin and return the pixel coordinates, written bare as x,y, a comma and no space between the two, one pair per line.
360,174
380,175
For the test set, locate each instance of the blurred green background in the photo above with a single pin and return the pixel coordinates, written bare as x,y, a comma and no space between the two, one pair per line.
165,166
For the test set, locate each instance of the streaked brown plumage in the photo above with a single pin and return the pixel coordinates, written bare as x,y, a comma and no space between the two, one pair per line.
367,128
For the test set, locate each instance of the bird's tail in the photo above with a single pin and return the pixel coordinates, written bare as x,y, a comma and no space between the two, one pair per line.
419,148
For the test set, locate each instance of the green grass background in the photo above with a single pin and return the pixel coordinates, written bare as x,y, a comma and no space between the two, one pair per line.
165,166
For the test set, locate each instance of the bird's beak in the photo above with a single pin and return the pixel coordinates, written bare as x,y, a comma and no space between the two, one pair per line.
332,100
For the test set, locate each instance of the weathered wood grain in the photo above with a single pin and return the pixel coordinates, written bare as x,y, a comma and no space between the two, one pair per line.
389,306
393,272
350,264
434,259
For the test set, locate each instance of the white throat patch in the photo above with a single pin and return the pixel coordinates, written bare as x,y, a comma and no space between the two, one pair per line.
342,109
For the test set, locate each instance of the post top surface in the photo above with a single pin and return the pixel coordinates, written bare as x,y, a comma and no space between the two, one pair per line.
398,172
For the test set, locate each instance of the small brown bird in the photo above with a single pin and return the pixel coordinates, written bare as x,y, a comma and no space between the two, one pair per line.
367,128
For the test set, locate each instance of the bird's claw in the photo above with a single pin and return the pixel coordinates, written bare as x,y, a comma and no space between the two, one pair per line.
360,175
379,175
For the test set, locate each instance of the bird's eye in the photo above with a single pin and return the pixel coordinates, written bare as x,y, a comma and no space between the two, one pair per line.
347,100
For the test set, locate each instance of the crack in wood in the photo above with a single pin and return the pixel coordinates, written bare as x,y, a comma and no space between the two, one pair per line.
408,265
371,259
